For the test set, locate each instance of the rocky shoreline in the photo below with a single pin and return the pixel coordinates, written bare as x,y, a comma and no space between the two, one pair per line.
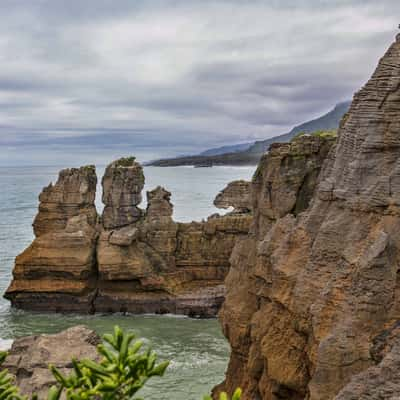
311,254
127,259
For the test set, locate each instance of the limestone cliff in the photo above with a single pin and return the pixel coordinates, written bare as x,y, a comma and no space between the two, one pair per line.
312,305
130,260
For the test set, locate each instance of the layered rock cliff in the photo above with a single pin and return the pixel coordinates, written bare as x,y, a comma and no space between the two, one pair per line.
129,260
312,306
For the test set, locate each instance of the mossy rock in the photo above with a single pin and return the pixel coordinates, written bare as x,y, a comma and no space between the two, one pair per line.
321,133
125,162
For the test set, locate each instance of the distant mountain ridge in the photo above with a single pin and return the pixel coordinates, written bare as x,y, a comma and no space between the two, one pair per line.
234,148
327,121
249,153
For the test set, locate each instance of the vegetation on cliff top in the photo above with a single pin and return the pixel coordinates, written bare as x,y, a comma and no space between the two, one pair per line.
125,162
123,370
331,133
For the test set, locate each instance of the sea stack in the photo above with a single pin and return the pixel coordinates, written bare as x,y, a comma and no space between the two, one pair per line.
123,183
58,271
129,260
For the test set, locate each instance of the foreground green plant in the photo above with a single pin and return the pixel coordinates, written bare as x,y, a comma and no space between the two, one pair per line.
123,370
223,396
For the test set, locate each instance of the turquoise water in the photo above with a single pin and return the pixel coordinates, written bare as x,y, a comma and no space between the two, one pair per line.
196,348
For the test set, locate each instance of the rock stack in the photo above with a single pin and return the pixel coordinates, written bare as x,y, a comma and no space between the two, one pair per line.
123,183
72,195
58,270
130,260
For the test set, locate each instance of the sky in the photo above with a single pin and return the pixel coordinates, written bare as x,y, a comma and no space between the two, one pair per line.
86,81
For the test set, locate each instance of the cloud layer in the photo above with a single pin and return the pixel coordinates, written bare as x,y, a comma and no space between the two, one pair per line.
159,78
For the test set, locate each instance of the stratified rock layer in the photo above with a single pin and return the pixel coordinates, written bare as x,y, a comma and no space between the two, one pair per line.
169,267
73,194
58,270
236,195
135,261
122,183
29,357
313,291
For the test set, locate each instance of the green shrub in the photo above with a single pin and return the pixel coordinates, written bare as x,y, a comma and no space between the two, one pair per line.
332,133
123,370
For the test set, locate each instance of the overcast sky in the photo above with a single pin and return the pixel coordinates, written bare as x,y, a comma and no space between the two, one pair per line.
159,78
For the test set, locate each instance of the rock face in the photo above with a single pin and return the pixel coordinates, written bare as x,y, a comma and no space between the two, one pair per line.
316,313
134,261
72,195
169,267
58,270
123,183
29,357
236,195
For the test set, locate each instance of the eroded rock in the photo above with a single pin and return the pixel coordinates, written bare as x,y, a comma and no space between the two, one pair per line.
237,195
29,357
135,261
319,272
123,183
58,270
73,194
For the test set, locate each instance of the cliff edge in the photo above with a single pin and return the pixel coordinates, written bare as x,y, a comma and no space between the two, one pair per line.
312,303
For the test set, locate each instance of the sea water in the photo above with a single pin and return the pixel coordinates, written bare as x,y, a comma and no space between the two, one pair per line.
197,349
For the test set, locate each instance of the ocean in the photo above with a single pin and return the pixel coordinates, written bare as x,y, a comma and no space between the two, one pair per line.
197,349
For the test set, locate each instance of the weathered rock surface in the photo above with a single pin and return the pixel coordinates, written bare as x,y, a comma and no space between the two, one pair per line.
29,357
134,261
314,288
170,267
123,183
73,194
58,271
236,195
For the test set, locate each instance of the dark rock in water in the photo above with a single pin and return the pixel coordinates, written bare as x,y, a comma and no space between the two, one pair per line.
29,357
204,165
313,291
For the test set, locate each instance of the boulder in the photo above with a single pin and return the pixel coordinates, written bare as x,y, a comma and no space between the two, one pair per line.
124,236
29,357
237,195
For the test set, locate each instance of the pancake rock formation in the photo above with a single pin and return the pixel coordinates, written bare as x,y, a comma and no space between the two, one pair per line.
236,195
129,260
312,307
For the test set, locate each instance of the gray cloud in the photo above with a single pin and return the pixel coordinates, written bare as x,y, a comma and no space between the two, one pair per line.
168,77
